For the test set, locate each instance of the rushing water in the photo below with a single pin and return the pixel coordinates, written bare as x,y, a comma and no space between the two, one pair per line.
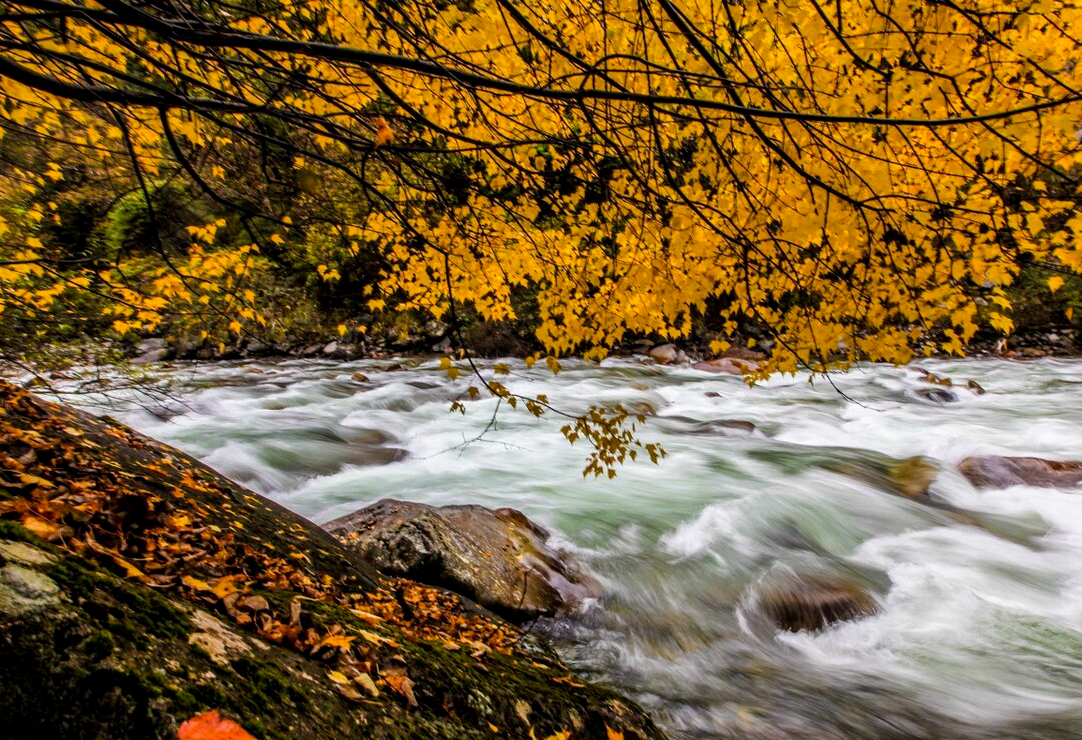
980,629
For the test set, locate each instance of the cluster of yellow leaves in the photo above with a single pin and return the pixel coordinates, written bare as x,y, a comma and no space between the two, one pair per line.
839,235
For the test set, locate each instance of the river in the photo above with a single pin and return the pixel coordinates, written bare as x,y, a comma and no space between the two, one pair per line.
979,632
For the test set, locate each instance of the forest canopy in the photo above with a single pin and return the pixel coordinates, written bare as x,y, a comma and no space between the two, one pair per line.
861,178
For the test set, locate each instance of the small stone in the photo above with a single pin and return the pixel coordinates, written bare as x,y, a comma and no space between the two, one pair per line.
975,387
360,377
24,590
25,554
27,583
253,604
217,640
147,358
665,354
153,344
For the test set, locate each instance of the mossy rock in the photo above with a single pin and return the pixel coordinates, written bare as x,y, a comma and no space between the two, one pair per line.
87,650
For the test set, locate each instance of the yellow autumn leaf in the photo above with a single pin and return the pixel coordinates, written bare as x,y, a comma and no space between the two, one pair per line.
338,677
1055,283
339,641
196,584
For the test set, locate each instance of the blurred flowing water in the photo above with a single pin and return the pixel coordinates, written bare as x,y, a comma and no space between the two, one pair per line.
980,629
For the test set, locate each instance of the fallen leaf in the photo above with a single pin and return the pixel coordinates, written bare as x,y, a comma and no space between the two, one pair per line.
43,529
569,680
130,571
368,684
226,585
366,616
212,726
403,685
614,734
341,641
348,691
337,677
196,584
375,639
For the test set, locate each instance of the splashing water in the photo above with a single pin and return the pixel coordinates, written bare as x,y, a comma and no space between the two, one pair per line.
979,630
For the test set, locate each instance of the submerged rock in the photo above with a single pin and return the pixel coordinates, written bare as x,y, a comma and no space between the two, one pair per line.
496,557
815,602
993,471
938,395
909,477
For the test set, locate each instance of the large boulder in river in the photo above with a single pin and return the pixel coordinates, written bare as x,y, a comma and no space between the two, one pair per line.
815,602
496,557
992,471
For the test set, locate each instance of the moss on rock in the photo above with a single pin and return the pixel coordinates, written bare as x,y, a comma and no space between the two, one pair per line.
104,653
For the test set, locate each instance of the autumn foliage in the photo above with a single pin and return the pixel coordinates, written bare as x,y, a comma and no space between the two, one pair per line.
851,176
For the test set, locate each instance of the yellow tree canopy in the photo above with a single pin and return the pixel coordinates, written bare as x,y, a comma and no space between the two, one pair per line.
844,173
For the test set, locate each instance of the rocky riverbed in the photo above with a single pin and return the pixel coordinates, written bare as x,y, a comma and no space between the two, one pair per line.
881,558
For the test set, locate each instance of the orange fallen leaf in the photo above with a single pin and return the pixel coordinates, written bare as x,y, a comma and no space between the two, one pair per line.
212,726
375,639
403,685
130,571
341,641
44,529
366,616
196,584
614,734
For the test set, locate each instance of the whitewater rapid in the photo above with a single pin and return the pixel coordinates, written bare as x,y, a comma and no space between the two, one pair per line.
979,632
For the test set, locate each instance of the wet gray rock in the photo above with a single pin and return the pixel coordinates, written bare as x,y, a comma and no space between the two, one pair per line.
993,471
938,395
815,602
24,590
258,347
151,350
496,557
152,344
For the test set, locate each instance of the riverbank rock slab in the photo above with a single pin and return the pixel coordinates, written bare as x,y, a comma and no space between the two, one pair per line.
496,557
126,565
